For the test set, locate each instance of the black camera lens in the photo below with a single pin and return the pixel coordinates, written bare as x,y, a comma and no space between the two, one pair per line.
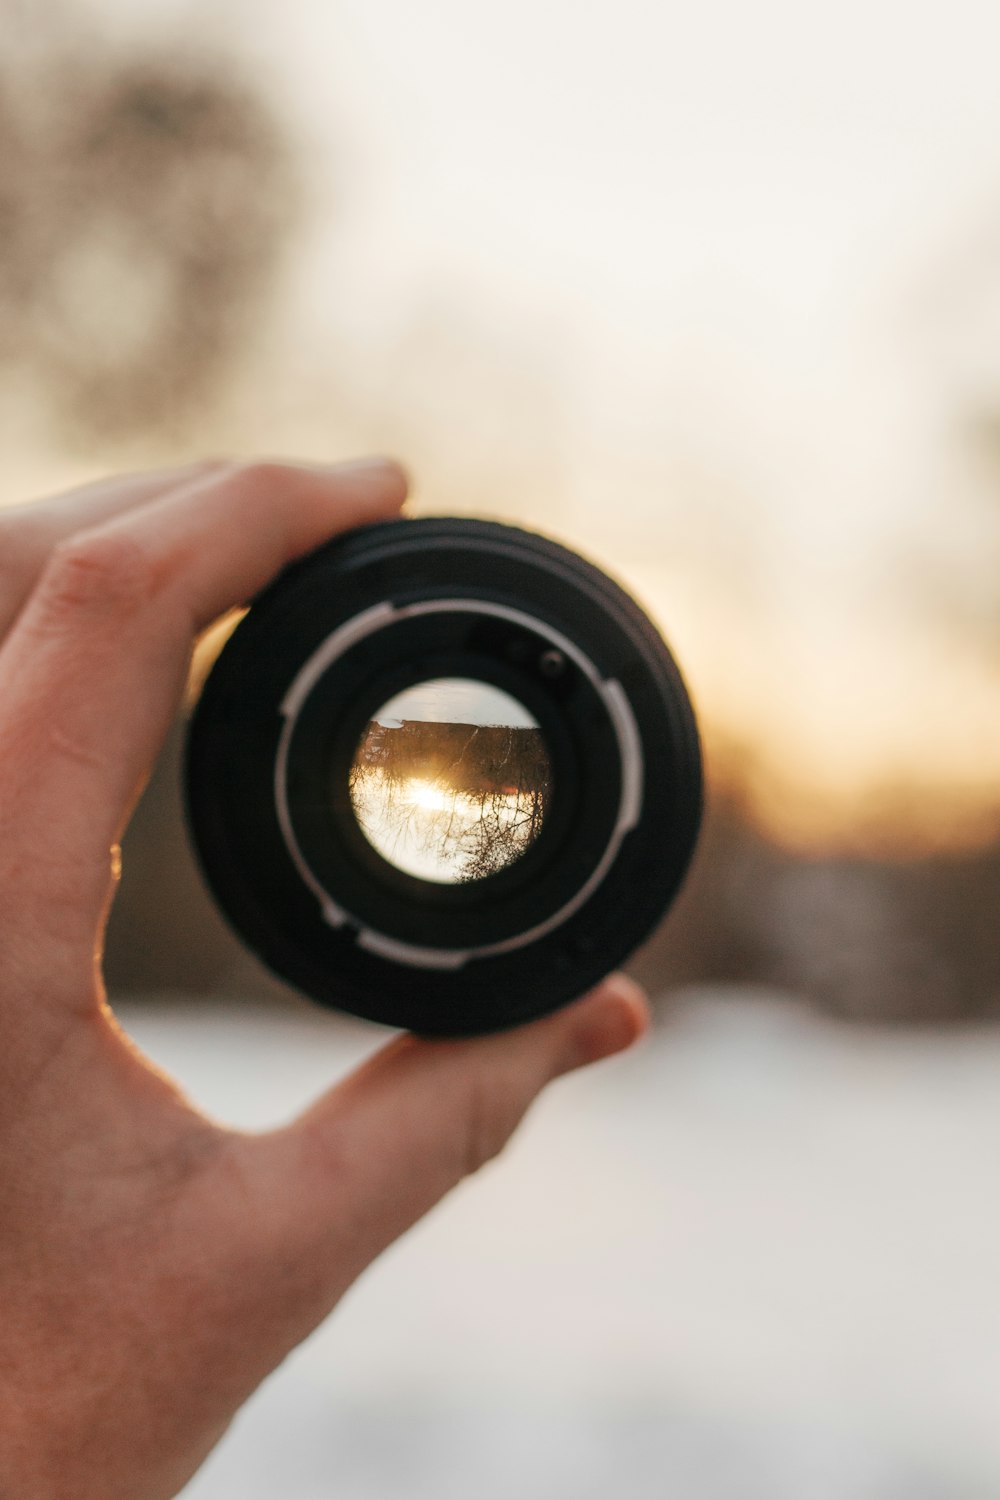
444,775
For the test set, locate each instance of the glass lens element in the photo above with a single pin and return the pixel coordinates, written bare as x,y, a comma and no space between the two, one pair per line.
451,780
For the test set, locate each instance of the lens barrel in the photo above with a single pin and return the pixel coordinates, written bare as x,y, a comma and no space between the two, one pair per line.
512,863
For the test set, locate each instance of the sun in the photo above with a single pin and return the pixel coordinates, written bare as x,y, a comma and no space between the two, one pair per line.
426,795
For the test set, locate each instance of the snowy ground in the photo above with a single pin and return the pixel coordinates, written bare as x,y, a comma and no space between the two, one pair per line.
759,1259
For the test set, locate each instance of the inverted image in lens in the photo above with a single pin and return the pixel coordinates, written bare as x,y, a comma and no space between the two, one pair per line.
451,780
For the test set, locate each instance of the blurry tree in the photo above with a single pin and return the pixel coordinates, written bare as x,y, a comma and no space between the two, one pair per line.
864,937
145,202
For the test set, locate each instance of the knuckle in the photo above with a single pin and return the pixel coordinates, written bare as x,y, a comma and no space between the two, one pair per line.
253,486
96,572
262,477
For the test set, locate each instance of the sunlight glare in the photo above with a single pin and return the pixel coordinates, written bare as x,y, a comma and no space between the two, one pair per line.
425,794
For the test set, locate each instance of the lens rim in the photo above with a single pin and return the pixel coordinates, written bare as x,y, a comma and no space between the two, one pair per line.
237,728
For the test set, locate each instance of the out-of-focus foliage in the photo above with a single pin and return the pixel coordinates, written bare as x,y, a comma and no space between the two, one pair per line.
864,937
145,201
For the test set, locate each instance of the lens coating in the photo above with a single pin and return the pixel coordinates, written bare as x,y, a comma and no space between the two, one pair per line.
451,780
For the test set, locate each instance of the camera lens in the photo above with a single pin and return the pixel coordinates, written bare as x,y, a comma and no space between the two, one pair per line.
444,774
450,780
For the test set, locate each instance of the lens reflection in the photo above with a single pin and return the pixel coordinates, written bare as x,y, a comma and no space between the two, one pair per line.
451,780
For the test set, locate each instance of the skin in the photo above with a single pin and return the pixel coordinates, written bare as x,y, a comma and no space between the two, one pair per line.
154,1266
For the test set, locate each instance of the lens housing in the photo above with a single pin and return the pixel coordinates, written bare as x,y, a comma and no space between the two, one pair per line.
276,732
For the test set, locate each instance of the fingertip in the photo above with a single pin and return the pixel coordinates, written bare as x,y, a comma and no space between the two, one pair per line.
610,1019
383,480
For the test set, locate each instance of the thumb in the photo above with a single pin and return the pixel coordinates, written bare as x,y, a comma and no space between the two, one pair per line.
380,1149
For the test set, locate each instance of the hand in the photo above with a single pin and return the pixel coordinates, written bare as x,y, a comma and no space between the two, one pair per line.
153,1266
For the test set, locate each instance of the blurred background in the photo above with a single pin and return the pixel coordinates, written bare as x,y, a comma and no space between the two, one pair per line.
713,294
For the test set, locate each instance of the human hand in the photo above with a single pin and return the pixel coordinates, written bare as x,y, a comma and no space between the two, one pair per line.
154,1267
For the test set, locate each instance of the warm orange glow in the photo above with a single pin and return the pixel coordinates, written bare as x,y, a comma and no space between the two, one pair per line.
207,648
877,737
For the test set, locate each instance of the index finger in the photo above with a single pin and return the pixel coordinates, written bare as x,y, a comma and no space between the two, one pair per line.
94,668
29,532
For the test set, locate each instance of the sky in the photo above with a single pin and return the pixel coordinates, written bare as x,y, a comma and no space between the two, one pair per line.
711,292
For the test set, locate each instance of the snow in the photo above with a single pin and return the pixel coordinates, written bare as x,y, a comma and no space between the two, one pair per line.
759,1256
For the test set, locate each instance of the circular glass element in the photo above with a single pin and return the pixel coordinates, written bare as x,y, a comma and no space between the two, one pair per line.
451,780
